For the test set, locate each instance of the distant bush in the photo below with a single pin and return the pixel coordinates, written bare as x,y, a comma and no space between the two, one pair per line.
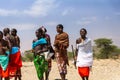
28,56
115,54
105,49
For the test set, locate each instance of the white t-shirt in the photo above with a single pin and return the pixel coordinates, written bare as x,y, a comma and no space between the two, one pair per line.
85,54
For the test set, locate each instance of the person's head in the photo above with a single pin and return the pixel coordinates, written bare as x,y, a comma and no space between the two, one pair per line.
59,28
38,33
6,31
1,35
44,30
83,32
14,32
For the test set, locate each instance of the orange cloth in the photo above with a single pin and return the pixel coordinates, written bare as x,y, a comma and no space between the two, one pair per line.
15,63
4,73
83,71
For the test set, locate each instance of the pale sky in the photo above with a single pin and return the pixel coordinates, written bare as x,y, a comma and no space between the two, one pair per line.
101,18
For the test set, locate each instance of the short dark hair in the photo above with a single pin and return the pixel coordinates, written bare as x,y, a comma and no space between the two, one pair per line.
39,30
43,29
15,30
84,30
60,26
7,30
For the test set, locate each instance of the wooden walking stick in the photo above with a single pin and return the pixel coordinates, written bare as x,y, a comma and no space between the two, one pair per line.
74,56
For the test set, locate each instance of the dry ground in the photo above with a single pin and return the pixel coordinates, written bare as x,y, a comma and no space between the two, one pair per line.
107,69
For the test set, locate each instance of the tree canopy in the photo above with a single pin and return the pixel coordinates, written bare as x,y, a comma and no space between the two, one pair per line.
106,48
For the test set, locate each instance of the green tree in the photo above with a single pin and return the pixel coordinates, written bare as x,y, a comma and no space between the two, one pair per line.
106,47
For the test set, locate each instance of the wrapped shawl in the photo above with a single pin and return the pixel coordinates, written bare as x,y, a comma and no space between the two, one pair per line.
61,44
85,54
4,64
4,61
40,63
61,41
15,61
38,42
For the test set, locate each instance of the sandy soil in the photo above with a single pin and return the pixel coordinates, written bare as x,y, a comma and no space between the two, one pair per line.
102,70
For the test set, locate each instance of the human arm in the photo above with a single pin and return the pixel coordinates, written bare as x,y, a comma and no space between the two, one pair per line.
18,41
